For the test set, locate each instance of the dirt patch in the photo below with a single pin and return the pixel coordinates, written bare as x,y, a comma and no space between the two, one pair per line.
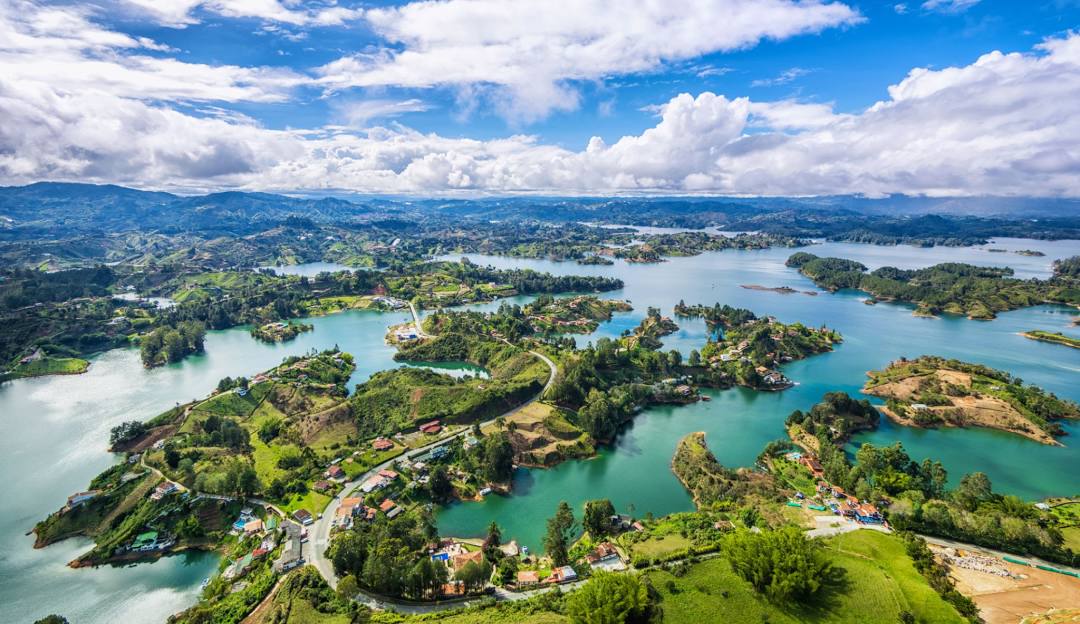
977,410
1004,600
315,425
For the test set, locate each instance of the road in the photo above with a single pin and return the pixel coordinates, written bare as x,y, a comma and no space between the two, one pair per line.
416,321
320,530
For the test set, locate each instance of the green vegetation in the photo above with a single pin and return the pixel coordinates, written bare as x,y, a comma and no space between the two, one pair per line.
932,391
654,247
576,315
609,598
1053,337
166,345
749,349
783,565
280,332
873,581
978,292
709,482
837,417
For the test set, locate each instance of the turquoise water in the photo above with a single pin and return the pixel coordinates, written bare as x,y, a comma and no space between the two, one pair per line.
635,473
56,428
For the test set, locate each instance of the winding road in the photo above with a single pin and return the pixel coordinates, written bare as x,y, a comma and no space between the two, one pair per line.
320,530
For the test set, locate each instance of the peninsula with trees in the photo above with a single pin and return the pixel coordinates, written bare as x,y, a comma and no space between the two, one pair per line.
931,391
952,288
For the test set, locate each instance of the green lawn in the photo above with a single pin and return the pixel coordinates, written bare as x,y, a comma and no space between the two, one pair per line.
661,545
879,582
51,366
312,501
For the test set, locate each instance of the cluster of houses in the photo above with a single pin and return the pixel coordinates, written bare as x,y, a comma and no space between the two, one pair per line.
391,302
834,497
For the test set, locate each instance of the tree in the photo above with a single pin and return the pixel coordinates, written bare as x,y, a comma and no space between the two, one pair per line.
498,456
440,486
507,569
52,619
348,587
783,564
494,536
474,575
695,358
610,598
974,488
560,530
597,518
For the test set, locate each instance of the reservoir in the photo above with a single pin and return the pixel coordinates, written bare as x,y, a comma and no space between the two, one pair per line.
56,428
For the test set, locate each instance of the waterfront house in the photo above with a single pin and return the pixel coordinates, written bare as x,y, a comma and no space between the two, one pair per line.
79,498
604,556
461,560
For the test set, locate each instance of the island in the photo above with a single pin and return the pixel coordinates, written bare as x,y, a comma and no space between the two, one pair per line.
280,332
749,350
574,315
952,288
931,391
1052,337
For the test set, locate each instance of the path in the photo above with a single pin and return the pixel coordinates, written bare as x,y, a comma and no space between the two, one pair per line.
320,531
416,322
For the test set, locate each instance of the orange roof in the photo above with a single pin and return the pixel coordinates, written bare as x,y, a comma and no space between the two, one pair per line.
528,576
387,505
460,561
351,501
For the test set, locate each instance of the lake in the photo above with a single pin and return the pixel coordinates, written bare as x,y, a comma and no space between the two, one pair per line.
57,427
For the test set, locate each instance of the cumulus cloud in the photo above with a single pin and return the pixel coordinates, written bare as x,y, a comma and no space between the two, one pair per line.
64,47
535,50
1004,125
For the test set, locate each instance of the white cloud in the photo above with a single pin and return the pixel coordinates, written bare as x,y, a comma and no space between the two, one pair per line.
65,48
900,8
784,77
179,13
534,50
949,6
358,113
1005,124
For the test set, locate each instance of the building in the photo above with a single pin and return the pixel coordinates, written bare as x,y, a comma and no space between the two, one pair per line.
253,526
321,486
373,483
79,498
303,516
604,552
292,553
162,490
526,578
565,574
457,562
382,444
388,474
335,472
431,428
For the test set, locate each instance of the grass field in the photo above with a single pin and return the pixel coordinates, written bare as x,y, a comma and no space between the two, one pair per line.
50,366
879,583
312,501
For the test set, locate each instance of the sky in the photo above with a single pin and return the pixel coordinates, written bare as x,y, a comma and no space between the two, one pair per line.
570,97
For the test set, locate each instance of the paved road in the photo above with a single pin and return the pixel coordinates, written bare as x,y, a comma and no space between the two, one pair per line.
320,530
416,321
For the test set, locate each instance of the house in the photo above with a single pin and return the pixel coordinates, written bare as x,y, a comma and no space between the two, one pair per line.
79,498
453,588
162,490
145,541
604,556
387,505
303,516
868,514
431,428
388,474
253,526
382,444
291,554
335,472
321,486
565,574
527,577
438,452
457,562
372,484
812,464
920,407
343,517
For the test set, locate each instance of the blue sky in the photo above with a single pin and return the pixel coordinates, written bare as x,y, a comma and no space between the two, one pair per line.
481,96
